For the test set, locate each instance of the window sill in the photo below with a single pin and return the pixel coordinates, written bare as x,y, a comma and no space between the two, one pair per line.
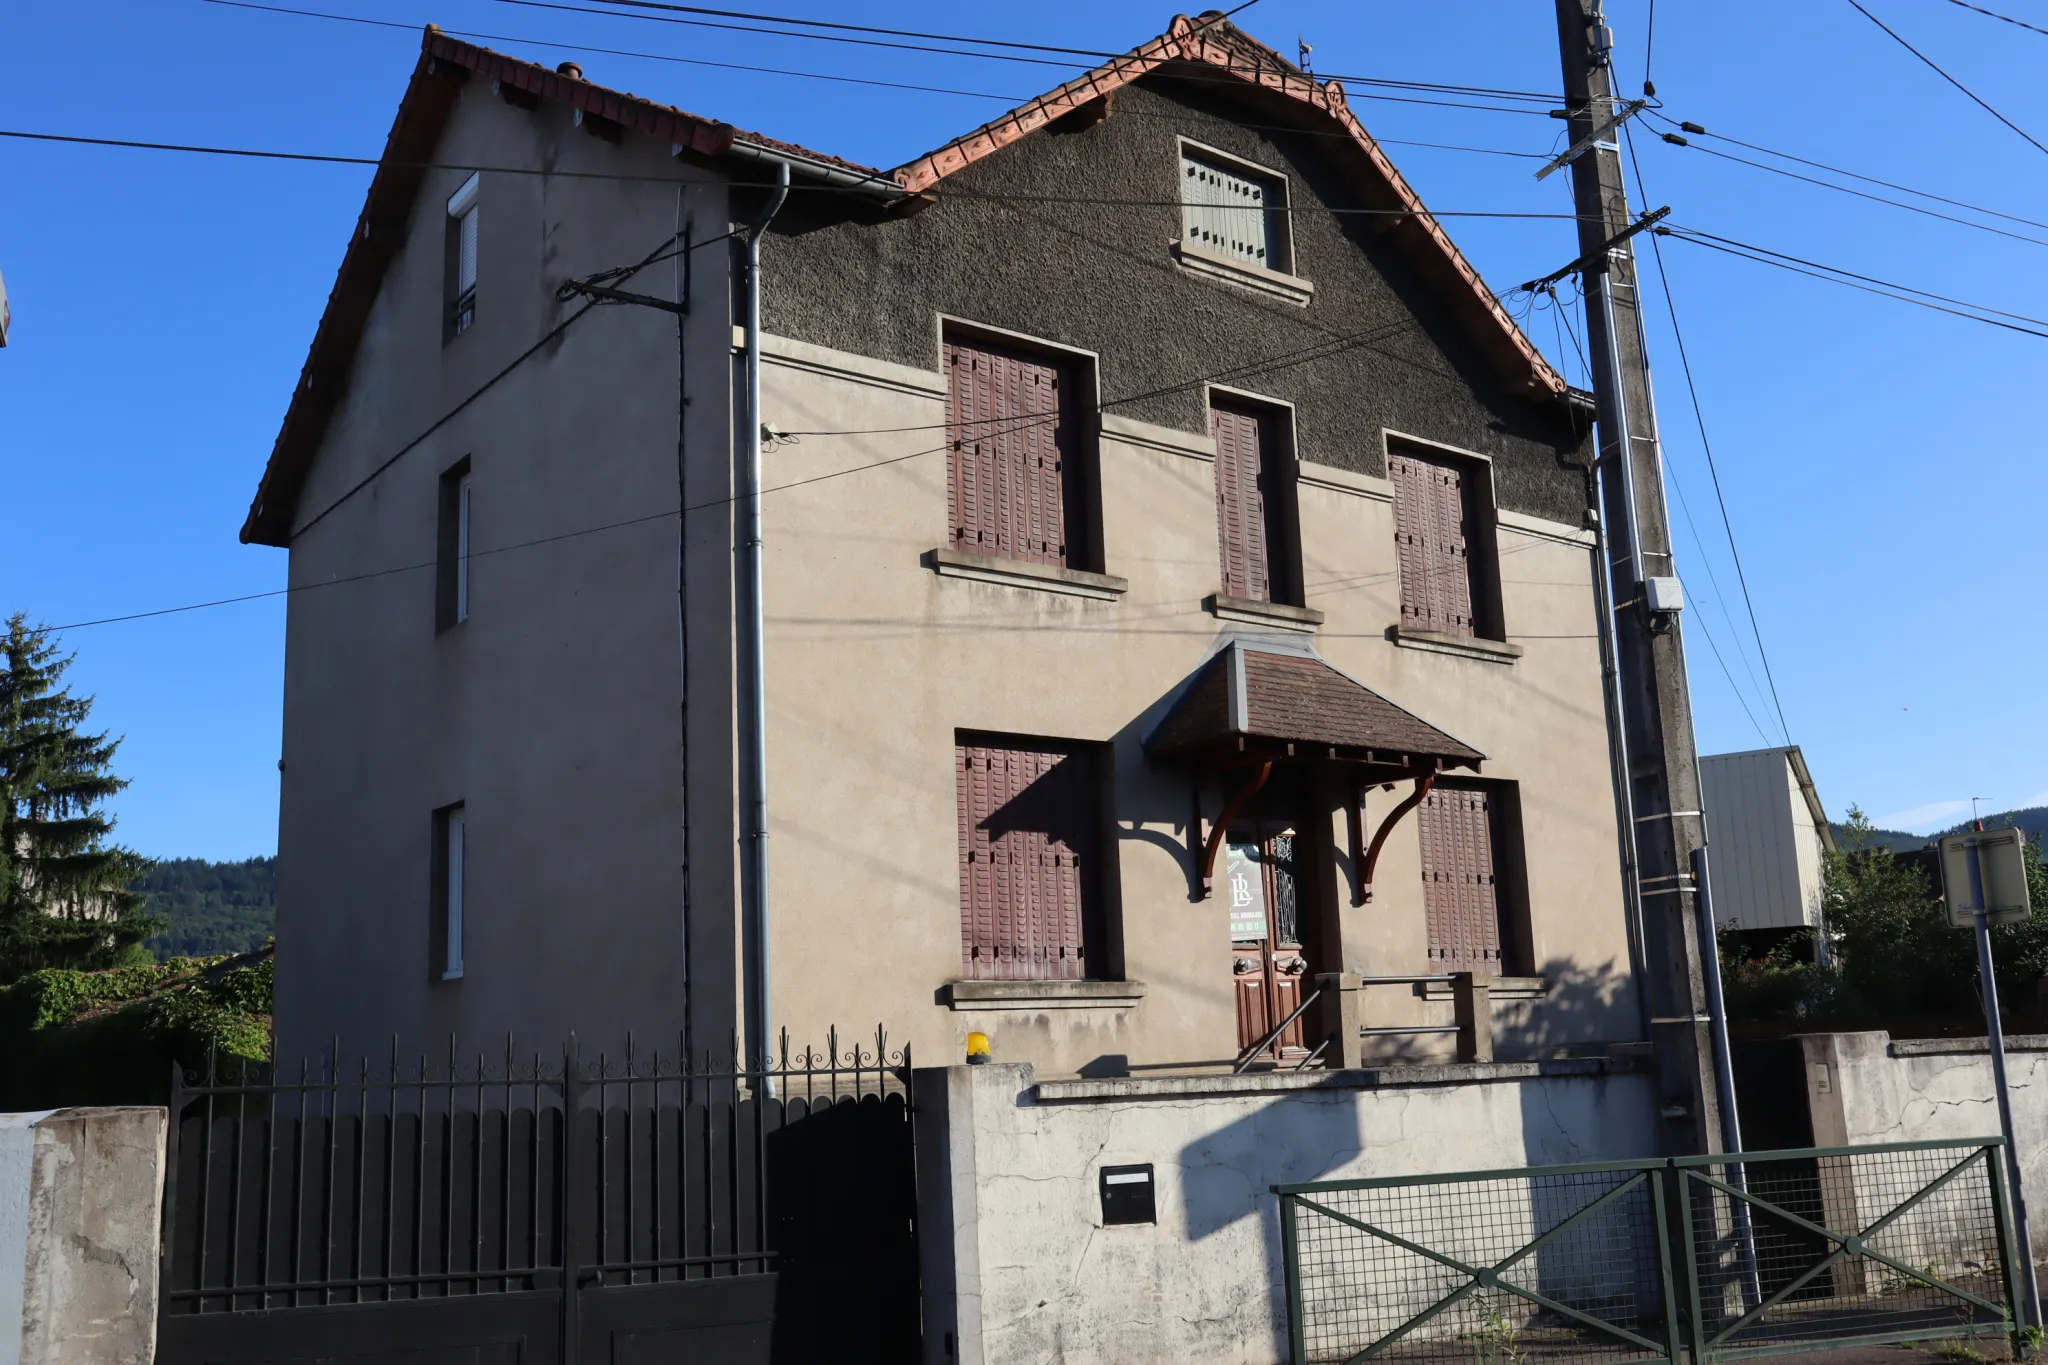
1018,573
1043,995
1251,612
1464,646
1502,988
1201,261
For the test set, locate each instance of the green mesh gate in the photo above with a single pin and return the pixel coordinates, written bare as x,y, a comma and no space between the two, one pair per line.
1722,1258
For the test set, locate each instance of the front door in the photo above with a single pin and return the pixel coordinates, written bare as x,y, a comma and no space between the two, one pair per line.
1267,966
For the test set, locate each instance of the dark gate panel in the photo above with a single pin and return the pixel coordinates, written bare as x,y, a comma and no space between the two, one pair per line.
541,1212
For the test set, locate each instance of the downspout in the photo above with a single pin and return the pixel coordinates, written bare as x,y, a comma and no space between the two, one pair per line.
753,653
1617,755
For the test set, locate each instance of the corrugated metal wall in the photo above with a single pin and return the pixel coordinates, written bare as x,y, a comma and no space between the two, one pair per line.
1765,849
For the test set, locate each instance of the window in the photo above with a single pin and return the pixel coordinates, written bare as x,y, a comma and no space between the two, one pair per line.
1255,506
461,267
450,899
451,553
1444,544
1016,488
1233,210
1030,814
1471,878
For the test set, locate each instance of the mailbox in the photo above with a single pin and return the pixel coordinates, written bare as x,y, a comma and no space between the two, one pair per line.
1127,1195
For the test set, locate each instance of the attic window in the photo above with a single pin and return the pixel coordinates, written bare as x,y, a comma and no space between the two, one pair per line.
461,259
1233,210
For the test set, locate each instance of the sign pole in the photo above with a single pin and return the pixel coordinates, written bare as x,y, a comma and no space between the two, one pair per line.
2029,1286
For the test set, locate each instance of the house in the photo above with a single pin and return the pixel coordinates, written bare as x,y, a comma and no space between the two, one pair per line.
1177,584
1769,834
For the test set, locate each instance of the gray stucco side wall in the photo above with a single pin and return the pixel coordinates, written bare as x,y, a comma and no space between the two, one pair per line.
553,712
1372,351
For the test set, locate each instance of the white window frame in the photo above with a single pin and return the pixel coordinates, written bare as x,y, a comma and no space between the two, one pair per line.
462,549
455,841
462,213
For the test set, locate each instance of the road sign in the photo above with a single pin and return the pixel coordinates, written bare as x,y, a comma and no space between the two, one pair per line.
2001,893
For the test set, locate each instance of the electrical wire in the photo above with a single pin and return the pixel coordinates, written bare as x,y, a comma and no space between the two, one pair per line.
1994,14
1874,198
1974,97
1868,284
1696,131
817,75
1713,466
1099,201
1098,56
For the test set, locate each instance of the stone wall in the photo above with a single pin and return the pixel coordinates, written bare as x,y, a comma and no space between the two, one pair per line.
80,1195
1031,1273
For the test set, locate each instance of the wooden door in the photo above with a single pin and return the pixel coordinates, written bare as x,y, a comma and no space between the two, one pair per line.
1264,889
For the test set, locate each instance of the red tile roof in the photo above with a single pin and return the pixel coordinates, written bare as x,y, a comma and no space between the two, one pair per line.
1210,42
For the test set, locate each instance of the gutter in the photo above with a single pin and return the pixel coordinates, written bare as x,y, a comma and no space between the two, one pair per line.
873,182
753,658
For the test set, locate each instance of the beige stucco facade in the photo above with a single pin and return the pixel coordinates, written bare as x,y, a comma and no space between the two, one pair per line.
875,660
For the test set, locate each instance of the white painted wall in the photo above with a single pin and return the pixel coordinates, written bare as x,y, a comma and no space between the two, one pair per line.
1868,1087
1031,1274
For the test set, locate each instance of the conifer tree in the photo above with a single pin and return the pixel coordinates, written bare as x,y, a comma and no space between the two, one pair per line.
64,897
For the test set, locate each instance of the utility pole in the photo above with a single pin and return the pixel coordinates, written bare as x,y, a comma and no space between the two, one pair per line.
1662,767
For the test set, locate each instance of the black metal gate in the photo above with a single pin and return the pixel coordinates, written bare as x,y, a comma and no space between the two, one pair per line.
545,1211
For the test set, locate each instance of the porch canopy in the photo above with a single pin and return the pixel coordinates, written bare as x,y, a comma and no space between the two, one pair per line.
1256,704
1255,701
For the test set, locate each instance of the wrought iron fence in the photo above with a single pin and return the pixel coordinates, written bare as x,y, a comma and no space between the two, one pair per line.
524,1171
1759,1254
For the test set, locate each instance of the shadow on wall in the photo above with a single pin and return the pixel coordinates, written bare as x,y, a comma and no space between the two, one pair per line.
1584,1008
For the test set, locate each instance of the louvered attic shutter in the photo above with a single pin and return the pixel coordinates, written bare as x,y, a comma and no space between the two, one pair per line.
1007,439
1459,897
1430,532
1227,212
1027,845
1241,528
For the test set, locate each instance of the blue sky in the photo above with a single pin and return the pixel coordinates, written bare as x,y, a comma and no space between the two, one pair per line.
1881,463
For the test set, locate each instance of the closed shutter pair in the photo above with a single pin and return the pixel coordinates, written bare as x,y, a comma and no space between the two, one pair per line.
1027,860
1432,533
1460,893
1008,445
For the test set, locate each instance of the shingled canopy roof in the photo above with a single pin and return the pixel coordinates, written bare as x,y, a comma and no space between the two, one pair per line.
1253,699
1201,47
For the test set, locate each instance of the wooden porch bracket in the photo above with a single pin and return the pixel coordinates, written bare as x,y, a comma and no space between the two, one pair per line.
1372,855
1221,829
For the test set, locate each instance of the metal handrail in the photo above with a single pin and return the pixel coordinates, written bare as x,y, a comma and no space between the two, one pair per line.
1405,980
1245,1058
1407,1028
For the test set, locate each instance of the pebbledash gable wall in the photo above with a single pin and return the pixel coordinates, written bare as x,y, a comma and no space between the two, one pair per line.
1101,276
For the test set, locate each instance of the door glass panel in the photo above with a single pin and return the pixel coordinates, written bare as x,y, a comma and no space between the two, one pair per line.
1286,889
1247,883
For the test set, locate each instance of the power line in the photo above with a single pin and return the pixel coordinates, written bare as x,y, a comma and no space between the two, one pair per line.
1696,130
1975,98
669,10
812,75
1865,194
1713,466
1868,284
1100,201
1992,13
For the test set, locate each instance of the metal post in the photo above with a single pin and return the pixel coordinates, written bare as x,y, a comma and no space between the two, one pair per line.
2029,1285
1724,1076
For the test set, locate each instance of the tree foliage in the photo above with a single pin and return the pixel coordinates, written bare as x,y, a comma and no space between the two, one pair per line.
210,908
64,897
1893,961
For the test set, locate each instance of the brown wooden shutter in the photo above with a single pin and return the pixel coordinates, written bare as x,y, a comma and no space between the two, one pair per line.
1007,438
1027,853
1243,533
1431,533
1460,898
